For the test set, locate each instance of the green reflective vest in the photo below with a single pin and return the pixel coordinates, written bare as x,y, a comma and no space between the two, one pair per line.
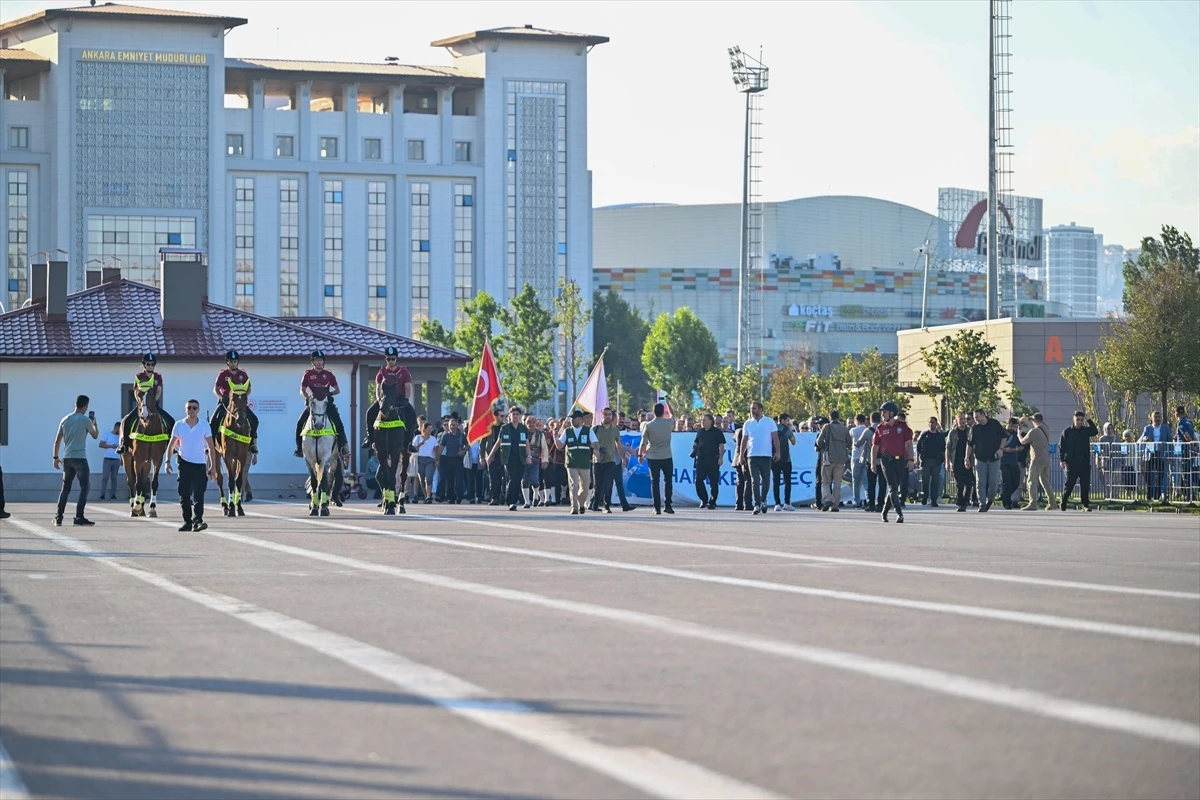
513,442
579,447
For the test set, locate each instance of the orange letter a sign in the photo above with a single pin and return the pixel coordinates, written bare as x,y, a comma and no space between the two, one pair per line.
1053,349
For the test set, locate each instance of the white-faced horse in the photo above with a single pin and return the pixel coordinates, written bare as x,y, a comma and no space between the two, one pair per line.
320,448
144,459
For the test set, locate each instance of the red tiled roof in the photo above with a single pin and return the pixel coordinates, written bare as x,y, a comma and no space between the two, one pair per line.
122,320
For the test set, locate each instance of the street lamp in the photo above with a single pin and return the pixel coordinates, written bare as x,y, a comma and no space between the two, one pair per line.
924,250
750,77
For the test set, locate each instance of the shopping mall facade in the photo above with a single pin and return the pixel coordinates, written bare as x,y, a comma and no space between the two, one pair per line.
375,192
840,274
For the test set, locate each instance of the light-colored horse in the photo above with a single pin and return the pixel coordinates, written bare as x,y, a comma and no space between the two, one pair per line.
320,448
234,445
144,459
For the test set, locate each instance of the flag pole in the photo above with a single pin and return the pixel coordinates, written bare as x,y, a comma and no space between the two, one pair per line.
599,360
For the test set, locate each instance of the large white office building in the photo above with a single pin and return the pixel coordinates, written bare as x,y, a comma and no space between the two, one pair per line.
380,193
1073,255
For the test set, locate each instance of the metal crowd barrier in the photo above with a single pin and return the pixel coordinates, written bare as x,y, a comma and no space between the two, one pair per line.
1127,472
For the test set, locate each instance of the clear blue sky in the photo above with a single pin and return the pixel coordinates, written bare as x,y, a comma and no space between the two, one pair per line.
887,99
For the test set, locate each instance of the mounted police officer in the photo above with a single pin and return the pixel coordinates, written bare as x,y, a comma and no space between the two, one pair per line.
320,380
395,380
229,380
146,381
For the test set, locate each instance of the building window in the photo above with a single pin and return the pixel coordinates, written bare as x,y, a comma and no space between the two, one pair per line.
372,149
416,150
18,239
136,241
377,254
234,144
462,151
332,294
285,147
289,247
419,225
329,147
18,138
243,243
464,246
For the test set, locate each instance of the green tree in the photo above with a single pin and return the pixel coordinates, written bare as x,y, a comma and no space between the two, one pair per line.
571,316
1084,380
479,315
727,388
1155,348
866,381
796,388
527,361
679,351
620,326
963,370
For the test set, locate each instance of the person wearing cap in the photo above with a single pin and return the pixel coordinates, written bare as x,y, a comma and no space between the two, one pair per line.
146,381
580,443
391,379
892,453
321,382
229,380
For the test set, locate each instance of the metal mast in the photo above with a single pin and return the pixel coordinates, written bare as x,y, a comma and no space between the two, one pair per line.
750,76
999,154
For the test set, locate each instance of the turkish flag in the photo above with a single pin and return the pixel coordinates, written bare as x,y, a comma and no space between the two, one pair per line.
487,392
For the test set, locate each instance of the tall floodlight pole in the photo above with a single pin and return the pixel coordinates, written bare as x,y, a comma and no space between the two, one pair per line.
993,238
924,250
750,78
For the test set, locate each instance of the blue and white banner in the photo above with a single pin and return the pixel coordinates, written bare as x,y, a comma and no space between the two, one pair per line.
637,474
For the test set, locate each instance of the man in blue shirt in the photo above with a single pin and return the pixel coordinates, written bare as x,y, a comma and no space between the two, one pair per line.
73,431
1189,457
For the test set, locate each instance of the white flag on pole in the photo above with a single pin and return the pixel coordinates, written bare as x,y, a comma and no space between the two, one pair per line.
593,396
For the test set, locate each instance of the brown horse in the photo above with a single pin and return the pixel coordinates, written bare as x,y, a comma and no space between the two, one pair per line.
233,443
144,460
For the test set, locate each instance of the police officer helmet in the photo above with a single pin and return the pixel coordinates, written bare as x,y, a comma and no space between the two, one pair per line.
232,355
149,358
391,352
316,354
889,406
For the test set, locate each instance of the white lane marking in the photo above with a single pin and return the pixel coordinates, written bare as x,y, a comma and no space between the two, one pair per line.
11,787
36,577
645,769
851,562
1133,723
956,609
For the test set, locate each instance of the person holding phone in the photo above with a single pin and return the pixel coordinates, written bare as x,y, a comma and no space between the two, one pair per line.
73,431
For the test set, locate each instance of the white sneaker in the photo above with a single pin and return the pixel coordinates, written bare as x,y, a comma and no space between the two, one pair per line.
788,507
778,507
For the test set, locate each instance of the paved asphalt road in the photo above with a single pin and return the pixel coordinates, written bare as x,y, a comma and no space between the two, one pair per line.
474,652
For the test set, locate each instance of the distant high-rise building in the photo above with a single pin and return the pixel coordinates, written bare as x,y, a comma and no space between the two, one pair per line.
1072,268
1112,277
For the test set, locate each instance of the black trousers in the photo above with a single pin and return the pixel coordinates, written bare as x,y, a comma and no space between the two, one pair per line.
817,471
193,480
1082,474
666,468
218,417
1010,479
709,470
514,472
618,482
876,489
604,482
745,491
474,478
74,468
781,472
964,483
895,471
496,482
335,417
450,475
931,487
1156,466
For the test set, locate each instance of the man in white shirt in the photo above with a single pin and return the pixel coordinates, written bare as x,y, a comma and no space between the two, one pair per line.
760,444
197,461
112,462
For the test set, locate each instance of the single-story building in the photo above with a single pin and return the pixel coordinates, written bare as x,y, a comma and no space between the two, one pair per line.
92,342
1032,352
